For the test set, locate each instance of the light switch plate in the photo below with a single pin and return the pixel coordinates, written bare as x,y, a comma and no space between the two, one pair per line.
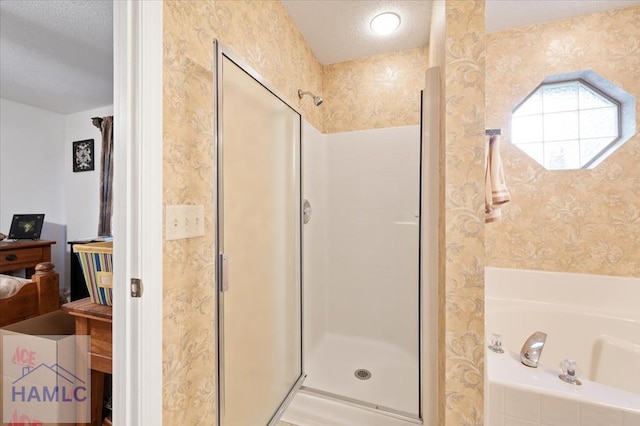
184,221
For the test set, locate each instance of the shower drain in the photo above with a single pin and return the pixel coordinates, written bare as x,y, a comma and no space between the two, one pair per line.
362,374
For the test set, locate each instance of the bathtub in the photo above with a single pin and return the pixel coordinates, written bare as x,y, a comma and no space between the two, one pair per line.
594,320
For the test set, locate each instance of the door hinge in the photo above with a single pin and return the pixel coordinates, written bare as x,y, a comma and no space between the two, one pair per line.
136,287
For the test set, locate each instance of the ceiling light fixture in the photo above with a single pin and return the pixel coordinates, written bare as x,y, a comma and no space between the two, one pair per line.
385,23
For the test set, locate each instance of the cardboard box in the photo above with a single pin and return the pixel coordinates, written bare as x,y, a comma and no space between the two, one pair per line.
42,377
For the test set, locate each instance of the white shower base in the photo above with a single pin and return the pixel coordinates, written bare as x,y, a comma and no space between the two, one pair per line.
308,409
394,382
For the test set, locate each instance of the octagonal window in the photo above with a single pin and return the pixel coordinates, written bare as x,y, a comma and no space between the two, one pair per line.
572,123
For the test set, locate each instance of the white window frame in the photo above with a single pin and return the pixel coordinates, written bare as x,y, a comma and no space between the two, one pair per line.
624,101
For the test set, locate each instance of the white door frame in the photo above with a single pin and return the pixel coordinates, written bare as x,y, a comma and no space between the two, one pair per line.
137,191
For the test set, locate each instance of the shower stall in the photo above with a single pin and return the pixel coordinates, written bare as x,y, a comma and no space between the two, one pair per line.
322,305
361,248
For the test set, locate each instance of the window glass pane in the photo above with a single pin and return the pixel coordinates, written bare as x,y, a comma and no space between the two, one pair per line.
558,115
590,147
533,105
561,155
591,99
527,129
597,123
561,97
561,126
533,150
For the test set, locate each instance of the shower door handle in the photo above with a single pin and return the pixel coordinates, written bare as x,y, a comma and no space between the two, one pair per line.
224,272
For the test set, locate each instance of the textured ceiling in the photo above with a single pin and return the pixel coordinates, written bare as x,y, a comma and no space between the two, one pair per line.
339,31
57,55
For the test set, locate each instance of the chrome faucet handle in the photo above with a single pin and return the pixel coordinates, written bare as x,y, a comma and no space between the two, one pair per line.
495,343
532,348
570,372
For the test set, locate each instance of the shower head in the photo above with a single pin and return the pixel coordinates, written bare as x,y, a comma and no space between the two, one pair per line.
316,99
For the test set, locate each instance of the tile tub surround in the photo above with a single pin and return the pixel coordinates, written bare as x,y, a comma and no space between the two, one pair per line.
575,310
513,406
592,319
537,394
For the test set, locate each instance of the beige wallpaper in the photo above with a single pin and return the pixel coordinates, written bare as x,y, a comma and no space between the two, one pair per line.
462,217
585,221
374,92
262,33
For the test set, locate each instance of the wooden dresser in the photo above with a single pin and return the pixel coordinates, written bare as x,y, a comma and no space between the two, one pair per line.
96,321
24,254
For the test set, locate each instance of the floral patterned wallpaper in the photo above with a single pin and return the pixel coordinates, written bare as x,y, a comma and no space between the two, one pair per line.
462,217
374,92
584,221
263,35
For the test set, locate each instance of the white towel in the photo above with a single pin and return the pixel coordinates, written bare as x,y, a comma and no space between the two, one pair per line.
496,192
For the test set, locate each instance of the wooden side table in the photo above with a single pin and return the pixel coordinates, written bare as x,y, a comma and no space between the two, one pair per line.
24,254
95,320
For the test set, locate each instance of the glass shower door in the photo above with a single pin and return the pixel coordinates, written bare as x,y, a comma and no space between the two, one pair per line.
259,311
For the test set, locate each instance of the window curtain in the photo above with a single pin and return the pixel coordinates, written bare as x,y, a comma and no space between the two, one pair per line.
105,124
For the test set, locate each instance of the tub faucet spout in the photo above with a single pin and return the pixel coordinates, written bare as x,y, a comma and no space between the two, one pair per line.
532,348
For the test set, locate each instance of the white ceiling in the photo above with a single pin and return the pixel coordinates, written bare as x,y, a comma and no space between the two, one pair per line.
58,54
507,14
339,31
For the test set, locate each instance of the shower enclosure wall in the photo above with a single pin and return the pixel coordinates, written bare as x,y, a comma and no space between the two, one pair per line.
361,267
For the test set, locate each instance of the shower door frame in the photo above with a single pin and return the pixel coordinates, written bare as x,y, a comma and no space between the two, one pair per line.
220,51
